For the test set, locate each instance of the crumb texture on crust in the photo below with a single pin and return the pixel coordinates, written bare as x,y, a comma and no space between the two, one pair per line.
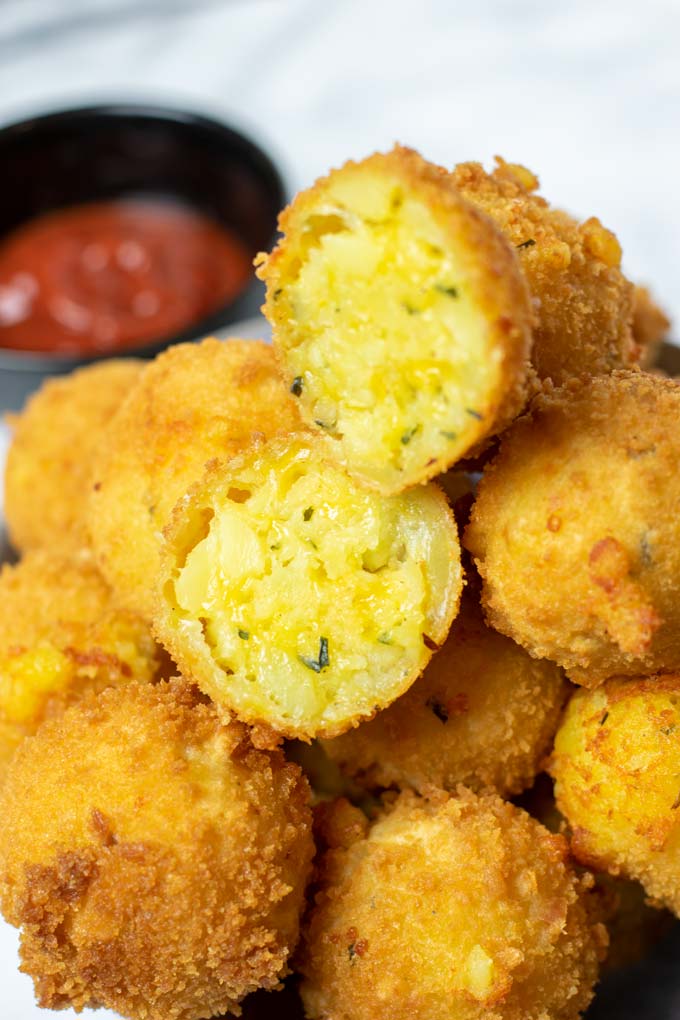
460,908
298,598
574,530
400,316
158,866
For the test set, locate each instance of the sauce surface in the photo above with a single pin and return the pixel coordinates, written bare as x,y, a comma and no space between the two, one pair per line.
106,276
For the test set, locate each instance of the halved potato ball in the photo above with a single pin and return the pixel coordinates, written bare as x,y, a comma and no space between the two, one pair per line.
583,301
575,528
482,714
193,403
454,908
616,766
400,316
61,635
50,459
297,598
153,859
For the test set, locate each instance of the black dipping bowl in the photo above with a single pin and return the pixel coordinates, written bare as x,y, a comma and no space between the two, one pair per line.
102,152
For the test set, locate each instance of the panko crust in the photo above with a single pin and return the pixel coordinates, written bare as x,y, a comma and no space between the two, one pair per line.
574,530
61,634
193,403
456,908
491,274
281,687
158,866
616,764
483,714
51,455
583,301
650,326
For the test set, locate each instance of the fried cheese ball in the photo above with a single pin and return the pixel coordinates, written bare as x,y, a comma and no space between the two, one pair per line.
297,598
153,859
650,326
62,635
575,528
54,442
616,766
483,714
583,301
193,403
400,317
454,908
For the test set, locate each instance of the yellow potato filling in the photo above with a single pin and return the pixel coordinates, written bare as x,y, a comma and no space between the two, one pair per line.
389,350
319,601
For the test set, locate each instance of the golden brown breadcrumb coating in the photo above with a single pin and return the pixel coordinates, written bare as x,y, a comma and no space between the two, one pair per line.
299,599
193,403
400,316
575,528
583,301
62,635
153,859
455,908
482,714
49,463
616,766
650,326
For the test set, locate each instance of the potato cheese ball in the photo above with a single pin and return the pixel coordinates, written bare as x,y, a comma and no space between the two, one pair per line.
153,859
453,908
483,714
191,404
50,460
575,528
400,316
61,635
617,770
297,598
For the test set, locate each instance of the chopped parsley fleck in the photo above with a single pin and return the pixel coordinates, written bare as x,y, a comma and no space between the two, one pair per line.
409,434
438,709
385,639
604,718
443,288
529,243
474,414
275,547
277,293
324,424
448,435
296,388
244,634
411,309
323,662
307,515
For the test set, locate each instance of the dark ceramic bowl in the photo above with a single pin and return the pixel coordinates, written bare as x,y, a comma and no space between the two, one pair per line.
95,153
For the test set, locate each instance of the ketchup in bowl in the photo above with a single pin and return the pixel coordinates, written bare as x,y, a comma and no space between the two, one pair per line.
108,276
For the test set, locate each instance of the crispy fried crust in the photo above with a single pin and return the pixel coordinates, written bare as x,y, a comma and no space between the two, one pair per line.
574,530
650,326
191,404
62,635
47,477
399,312
299,599
583,302
459,908
616,764
483,714
153,859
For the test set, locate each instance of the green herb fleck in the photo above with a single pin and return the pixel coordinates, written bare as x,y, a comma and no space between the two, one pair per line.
307,515
676,803
448,435
323,662
275,547
443,288
244,634
439,710
324,424
529,243
411,309
296,388
604,718
277,293
409,434
474,414
385,639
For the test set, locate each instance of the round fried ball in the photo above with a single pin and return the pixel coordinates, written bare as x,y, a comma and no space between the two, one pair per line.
191,404
650,326
297,598
583,301
575,528
153,859
400,316
482,714
61,635
54,442
616,765
455,908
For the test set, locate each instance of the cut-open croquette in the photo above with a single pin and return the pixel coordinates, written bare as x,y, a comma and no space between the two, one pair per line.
62,635
193,403
50,459
298,598
400,316
482,714
153,859
616,766
584,303
455,908
575,528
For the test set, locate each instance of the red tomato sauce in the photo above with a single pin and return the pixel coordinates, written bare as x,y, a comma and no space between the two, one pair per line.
107,276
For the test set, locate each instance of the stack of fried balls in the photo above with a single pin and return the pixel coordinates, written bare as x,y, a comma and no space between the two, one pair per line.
261,715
